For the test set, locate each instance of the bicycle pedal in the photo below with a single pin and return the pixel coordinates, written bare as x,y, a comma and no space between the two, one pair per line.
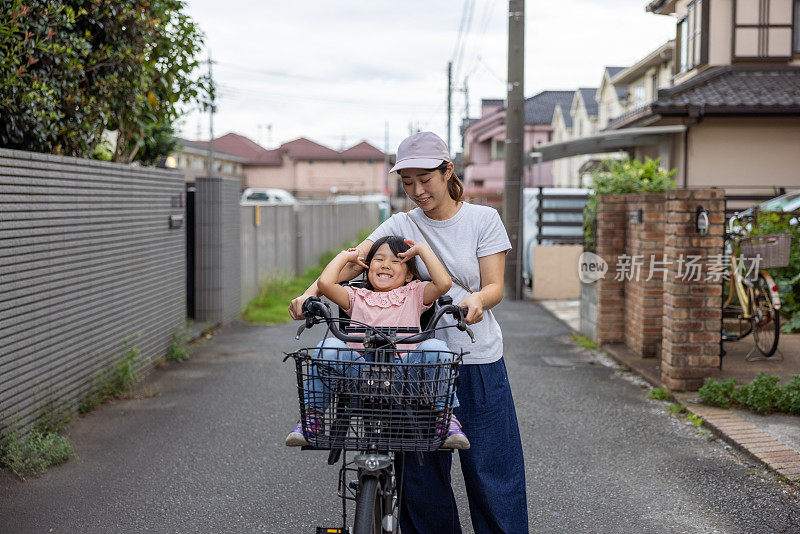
353,485
324,530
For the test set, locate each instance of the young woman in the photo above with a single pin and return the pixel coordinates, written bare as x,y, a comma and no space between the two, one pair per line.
471,242
393,296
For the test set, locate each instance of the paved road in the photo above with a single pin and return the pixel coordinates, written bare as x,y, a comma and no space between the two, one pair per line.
206,453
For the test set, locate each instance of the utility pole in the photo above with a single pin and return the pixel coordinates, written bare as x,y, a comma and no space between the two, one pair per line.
449,103
514,146
386,162
466,98
211,118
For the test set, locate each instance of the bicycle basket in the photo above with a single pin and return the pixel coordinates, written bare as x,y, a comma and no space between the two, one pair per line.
771,250
404,405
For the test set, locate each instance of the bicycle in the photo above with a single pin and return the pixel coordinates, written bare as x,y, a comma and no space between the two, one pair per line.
759,303
378,405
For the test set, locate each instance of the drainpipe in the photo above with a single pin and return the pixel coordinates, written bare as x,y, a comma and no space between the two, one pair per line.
695,116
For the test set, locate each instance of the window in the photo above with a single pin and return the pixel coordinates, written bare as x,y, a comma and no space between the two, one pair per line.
654,86
638,95
498,149
690,37
763,30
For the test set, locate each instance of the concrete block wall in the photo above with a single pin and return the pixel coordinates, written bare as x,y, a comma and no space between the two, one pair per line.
87,260
218,256
290,239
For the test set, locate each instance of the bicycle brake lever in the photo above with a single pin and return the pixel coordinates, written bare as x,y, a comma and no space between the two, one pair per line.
300,331
468,330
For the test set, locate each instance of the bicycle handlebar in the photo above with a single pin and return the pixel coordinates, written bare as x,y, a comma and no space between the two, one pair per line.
313,307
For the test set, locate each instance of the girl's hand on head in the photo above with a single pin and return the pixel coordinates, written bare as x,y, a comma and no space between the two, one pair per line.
352,256
475,305
414,249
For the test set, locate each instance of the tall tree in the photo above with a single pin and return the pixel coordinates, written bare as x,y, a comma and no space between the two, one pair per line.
71,69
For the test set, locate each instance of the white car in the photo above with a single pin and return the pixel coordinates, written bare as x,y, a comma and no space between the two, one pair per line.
253,196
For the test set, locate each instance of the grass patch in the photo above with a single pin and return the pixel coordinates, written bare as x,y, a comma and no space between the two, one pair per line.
33,453
178,351
696,420
658,394
676,408
584,342
271,306
119,381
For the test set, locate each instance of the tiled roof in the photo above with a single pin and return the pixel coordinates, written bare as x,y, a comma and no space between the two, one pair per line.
539,108
762,88
726,90
362,151
267,157
566,115
239,145
621,90
303,148
587,93
203,145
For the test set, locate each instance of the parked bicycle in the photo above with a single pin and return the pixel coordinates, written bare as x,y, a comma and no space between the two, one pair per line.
757,306
376,406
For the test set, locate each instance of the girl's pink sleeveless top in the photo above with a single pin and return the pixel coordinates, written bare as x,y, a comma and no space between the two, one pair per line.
398,307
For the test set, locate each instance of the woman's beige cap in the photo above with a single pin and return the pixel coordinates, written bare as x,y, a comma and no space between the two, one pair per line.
423,150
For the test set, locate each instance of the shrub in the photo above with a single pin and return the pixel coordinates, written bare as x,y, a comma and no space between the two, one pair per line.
790,396
762,395
716,393
620,176
787,278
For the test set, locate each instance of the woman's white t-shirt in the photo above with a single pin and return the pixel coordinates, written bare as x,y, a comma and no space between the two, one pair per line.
472,233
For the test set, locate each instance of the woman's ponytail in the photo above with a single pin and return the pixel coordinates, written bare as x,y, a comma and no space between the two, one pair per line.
454,186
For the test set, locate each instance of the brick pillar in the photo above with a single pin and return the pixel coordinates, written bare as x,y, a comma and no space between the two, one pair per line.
611,212
643,298
692,309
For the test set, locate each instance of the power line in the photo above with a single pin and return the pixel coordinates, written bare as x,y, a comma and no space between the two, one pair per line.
458,60
260,94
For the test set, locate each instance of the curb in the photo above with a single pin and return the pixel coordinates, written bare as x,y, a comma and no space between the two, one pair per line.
773,453
726,425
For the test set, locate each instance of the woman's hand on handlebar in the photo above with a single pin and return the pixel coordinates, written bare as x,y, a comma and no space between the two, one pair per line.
475,305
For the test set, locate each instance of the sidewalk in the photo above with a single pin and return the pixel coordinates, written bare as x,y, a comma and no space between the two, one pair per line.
771,439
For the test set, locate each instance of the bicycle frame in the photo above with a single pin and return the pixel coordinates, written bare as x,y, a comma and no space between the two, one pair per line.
376,381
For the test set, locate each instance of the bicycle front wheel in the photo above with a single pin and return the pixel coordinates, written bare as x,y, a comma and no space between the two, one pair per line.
369,507
766,319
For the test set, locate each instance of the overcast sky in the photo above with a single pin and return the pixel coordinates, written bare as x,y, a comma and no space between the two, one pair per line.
337,72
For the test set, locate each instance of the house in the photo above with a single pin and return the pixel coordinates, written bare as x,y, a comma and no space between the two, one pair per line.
308,169
192,158
484,144
579,120
723,108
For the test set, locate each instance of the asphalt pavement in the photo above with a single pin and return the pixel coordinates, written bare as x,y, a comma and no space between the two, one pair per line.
202,450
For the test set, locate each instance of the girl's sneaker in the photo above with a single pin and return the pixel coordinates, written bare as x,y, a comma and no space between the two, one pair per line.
456,439
296,437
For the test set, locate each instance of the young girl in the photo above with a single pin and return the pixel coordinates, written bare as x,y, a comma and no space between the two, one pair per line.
393,296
